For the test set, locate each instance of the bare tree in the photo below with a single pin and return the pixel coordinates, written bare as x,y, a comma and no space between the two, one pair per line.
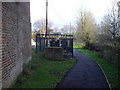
86,27
113,19
105,27
40,26
109,26
68,29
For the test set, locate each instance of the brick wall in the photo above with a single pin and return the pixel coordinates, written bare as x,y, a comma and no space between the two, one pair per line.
16,39
0,45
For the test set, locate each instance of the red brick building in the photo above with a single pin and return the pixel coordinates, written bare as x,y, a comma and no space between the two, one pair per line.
15,40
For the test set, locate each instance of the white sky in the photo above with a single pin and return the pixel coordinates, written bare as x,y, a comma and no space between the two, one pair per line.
64,11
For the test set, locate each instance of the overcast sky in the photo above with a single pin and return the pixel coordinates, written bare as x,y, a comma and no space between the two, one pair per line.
64,11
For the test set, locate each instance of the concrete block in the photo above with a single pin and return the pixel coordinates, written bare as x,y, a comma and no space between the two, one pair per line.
54,53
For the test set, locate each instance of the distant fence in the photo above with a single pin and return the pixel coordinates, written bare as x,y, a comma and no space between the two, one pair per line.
64,41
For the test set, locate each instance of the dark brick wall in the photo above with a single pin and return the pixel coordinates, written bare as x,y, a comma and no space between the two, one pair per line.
0,45
16,39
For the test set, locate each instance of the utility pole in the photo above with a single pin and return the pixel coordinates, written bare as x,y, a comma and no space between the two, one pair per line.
70,29
46,22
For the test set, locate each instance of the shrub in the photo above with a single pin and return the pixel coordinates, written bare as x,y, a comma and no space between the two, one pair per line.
26,70
105,51
92,47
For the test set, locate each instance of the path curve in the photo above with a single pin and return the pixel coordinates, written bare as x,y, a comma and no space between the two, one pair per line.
85,74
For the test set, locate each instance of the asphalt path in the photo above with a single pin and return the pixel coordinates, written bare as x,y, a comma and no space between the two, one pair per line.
85,74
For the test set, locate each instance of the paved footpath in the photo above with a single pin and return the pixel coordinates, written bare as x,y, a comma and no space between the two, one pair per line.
84,74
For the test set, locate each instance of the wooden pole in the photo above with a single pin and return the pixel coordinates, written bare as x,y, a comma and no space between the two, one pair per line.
46,22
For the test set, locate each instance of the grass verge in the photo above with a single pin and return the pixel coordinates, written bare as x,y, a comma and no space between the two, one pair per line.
42,73
110,71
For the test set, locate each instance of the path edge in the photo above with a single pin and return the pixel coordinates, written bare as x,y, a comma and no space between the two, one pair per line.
101,70
104,75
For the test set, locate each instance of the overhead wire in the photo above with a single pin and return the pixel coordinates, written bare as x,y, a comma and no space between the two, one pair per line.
57,14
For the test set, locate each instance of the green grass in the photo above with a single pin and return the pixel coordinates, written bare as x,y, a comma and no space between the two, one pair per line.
110,71
45,73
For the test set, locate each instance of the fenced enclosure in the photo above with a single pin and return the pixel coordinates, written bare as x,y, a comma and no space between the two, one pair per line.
54,40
